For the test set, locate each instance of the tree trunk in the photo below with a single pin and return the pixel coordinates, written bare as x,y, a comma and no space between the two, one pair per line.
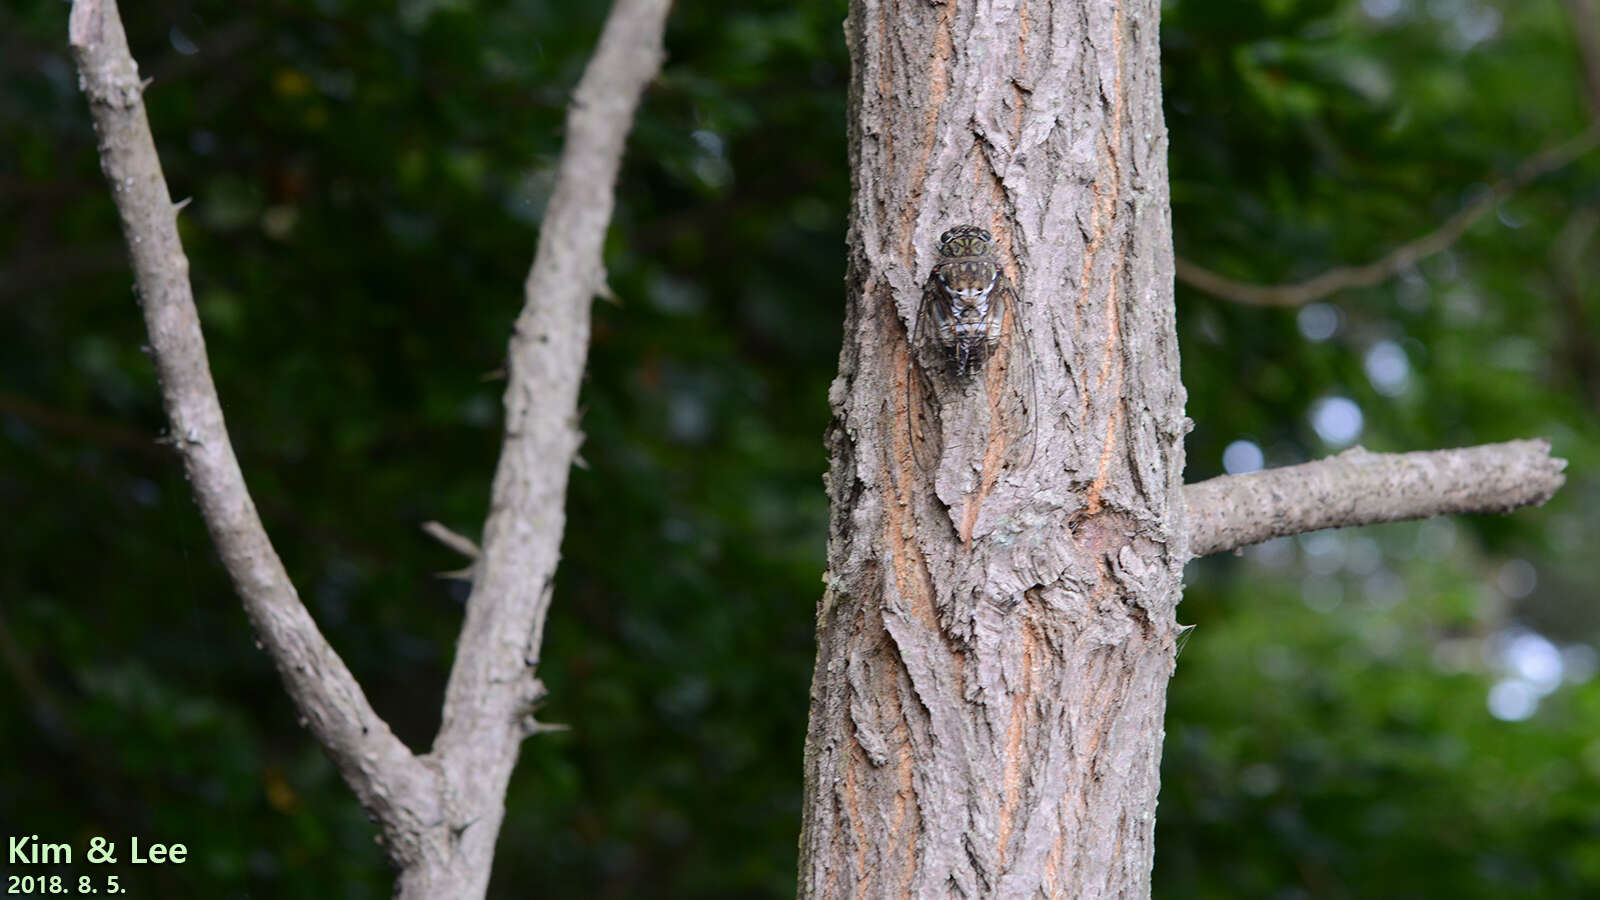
998,629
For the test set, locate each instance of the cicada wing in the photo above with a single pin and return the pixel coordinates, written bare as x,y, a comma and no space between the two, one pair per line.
1012,361
922,395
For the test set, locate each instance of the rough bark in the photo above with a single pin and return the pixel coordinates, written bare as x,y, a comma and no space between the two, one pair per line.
998,626
986,712
440,813
1359,488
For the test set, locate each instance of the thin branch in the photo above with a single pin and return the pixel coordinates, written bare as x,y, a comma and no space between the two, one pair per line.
1585,18
456,541
107,435
1360,488
95,784
499,645
33,273
1400,258
390,783
1580,340
37,694
493,689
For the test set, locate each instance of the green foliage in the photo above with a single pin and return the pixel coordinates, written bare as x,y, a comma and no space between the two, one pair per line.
1328,733
1345,750
368,185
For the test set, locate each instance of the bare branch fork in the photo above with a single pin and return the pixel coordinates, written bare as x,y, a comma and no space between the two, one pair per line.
439,813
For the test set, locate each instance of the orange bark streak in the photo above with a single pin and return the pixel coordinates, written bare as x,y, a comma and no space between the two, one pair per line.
1017,727
1111,361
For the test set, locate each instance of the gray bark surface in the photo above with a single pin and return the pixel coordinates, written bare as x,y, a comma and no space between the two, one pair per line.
995,642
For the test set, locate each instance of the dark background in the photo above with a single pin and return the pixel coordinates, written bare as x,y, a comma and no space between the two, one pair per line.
1394,712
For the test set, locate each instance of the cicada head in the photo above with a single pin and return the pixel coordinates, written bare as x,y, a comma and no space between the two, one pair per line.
967,268
966,241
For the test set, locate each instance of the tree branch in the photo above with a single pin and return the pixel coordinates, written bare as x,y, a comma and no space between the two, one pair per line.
391,784
1580,341
107,435
457,542
460,543
500,641
32,271
1400,258
1585,18
1359,488
492,692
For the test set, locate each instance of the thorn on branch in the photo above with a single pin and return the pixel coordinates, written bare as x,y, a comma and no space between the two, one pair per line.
463,574
455,541
532,726
178,441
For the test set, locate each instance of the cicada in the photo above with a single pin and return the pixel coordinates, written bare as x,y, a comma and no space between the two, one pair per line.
969,348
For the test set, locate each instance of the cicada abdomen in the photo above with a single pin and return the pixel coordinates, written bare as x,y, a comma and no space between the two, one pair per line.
969,335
